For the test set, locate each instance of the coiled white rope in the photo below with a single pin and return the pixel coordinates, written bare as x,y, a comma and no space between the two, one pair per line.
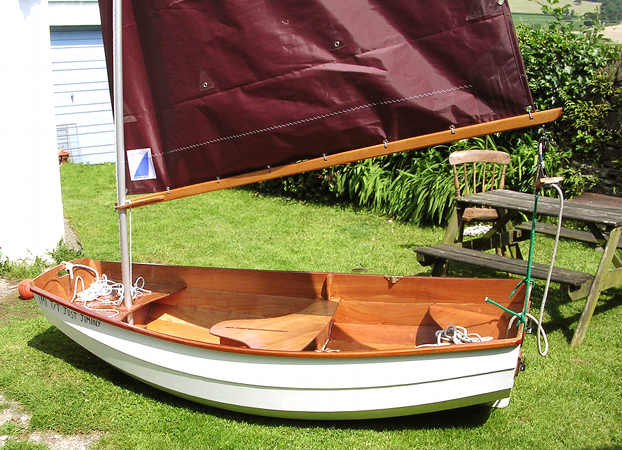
106,292
455,334
541,332
103,290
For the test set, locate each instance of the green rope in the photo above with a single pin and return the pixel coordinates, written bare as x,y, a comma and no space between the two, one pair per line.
527,281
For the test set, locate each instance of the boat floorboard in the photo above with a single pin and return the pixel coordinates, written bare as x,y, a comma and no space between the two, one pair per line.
173,326
291,332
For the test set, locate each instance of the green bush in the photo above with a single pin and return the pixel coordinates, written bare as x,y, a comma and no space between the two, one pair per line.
317,186
406,186
573,67
413,187
611,10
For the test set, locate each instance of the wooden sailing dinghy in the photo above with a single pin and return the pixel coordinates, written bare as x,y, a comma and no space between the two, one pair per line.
299,345
220,95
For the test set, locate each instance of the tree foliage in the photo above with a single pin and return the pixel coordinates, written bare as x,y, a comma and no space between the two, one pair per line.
573,67
611,10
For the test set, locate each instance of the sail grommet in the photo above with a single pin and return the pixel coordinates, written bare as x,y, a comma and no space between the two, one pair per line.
452,128
386,143
337,44
500,2
528,108
324,156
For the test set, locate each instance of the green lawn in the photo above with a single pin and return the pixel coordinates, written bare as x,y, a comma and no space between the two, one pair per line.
529,12
571,399
531,19
533,6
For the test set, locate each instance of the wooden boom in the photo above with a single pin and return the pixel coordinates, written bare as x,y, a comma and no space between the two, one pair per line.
402,145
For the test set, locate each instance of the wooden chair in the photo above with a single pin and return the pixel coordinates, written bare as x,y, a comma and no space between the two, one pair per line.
481,170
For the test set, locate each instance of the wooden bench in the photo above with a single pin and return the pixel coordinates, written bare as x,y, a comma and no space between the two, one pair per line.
567,233
292,332
601,214
442,252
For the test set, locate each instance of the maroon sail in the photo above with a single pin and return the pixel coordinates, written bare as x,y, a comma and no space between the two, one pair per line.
214,89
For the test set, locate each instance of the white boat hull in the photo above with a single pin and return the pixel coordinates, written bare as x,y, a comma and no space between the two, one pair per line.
296,387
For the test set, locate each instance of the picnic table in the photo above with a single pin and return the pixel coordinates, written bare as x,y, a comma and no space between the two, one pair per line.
601,214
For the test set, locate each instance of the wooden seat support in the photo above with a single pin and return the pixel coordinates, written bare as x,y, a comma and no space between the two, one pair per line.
292,332
158,292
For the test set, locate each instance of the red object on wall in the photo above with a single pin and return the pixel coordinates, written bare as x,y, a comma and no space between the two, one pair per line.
62,156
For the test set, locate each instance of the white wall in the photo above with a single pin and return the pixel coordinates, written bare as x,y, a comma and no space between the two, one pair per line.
31,220
76,12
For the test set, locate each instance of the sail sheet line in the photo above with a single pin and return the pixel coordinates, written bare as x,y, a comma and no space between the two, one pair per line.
389,101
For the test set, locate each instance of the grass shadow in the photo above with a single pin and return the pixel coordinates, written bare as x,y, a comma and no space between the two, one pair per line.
461,418
561,323
54,343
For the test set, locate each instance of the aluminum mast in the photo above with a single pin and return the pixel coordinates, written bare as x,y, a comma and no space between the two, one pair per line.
117,45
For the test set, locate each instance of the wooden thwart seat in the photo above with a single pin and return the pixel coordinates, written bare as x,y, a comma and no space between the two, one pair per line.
445,315
158,292
292,332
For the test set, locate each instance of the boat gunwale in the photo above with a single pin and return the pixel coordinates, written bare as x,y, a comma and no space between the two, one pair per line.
494,344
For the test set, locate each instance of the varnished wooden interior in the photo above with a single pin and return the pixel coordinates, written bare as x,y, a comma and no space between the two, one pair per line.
303,312
292,332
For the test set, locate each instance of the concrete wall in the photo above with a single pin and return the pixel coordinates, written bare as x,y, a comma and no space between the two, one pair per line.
31,217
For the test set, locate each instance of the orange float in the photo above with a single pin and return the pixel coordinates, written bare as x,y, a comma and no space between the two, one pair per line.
24,289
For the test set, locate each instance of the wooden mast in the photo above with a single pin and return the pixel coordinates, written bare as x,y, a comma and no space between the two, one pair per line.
427,140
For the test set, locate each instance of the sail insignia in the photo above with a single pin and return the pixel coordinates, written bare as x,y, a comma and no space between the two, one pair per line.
140,164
